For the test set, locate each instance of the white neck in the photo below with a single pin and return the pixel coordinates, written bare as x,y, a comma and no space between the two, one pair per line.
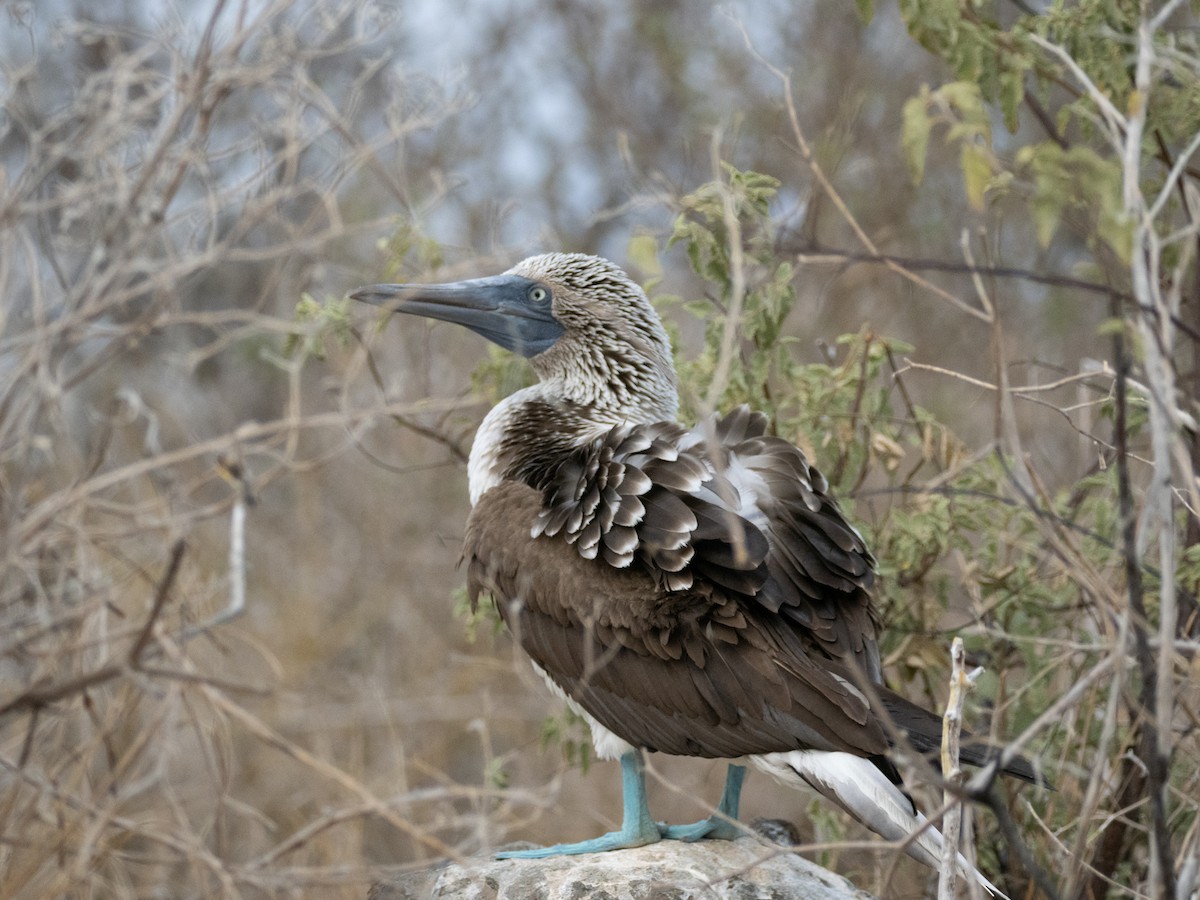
483,466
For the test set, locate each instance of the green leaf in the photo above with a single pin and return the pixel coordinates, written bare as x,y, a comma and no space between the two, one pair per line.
643,253
915,136
967,100
977,173
332,320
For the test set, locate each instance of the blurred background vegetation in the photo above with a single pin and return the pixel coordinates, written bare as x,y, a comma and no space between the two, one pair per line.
957,241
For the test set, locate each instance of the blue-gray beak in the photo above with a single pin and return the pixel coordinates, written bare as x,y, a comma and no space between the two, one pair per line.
514,312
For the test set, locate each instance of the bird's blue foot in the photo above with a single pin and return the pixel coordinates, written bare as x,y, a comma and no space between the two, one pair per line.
637,826
722,825
614,840
712,828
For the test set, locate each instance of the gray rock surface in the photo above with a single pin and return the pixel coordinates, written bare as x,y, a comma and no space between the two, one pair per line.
746,869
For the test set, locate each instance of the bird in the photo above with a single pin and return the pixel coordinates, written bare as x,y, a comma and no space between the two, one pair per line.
694,591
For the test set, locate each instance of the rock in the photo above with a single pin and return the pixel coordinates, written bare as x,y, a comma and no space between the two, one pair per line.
746,869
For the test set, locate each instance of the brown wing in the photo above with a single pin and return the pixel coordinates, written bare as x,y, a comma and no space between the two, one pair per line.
636,495
699,672
726,505
821,571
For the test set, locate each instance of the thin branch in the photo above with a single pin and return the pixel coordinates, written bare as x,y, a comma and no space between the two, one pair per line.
1012,836
737,282
160,599
245,435
951,771
44,695
1147,724
805,149
1116,122
814,255
1045,119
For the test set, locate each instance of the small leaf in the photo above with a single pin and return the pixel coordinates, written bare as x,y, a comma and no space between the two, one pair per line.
643,253
1046,216
966,98
887,449
977,173
1134,103
915,135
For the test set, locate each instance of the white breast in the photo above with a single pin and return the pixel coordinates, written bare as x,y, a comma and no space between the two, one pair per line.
483,471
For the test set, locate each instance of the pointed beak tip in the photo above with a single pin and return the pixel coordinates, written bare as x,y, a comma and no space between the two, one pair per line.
375,294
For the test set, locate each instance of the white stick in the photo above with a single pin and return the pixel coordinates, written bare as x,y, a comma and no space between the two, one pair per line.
951,772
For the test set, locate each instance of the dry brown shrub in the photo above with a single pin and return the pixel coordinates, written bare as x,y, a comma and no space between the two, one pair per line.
169,193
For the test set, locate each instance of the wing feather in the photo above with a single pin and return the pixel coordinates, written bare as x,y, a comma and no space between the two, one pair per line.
724,504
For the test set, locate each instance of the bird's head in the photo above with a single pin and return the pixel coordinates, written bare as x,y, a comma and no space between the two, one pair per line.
586,327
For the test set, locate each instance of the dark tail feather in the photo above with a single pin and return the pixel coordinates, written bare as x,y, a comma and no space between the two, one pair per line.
978,754
924,731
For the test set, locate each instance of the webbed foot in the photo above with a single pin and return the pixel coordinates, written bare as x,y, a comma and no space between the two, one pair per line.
646,833
637,826
713,828
722,825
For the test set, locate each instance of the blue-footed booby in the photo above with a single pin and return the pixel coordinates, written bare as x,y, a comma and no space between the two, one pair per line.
690,591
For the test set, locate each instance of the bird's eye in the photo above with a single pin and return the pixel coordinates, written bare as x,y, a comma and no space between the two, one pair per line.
538,294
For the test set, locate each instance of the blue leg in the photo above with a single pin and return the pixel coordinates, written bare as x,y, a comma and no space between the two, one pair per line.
637,827
722,825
